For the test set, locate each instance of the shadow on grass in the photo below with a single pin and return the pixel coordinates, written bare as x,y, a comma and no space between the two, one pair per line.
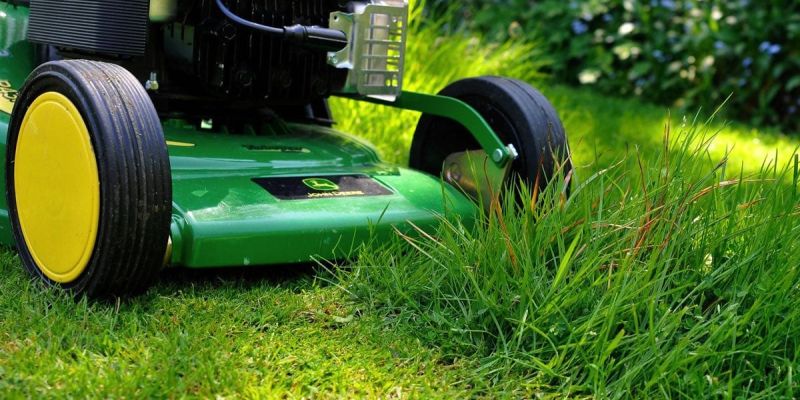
243,277
220,284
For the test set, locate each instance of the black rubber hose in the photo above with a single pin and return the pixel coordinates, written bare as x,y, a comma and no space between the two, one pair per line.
248,24
309,36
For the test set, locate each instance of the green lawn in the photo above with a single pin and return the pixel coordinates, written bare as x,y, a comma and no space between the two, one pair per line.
660,277
253,335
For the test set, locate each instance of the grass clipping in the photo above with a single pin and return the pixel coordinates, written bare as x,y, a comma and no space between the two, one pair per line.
660,275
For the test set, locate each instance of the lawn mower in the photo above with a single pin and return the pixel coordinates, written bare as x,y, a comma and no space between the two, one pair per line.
141,134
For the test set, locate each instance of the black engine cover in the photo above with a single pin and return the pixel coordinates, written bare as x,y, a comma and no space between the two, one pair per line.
111,27
198,55
241,63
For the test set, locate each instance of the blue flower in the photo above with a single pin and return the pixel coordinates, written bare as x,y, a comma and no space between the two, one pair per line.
608,17
670,4
578,27
659,55
720,45
769,48
747,62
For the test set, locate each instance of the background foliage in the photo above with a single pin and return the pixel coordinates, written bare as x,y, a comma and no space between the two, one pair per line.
684,53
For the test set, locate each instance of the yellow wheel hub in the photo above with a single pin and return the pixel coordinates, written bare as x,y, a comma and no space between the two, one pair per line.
57,187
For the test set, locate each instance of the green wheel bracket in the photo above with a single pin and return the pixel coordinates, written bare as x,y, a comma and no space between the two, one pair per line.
457,110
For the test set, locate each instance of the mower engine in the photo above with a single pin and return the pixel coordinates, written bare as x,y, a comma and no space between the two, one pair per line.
188,49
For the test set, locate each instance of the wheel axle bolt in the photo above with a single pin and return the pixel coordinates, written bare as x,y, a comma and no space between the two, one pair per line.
498,155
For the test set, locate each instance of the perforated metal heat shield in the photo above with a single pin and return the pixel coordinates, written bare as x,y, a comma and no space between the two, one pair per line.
108,27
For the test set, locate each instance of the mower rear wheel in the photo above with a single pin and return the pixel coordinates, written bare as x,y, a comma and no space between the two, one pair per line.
88,179
517,112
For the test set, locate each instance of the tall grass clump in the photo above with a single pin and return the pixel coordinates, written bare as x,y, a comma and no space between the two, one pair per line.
432,62
662,275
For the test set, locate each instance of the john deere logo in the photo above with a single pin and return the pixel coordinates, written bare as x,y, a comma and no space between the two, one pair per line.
321,185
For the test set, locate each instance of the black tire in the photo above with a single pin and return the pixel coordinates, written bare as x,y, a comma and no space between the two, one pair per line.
132,164
517,112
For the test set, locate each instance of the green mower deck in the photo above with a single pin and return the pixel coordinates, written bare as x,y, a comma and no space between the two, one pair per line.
224,216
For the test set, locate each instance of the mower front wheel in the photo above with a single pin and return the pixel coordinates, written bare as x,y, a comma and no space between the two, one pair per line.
519,114
88,179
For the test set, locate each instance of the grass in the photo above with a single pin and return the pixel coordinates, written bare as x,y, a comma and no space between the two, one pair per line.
267,334
661,276
667,273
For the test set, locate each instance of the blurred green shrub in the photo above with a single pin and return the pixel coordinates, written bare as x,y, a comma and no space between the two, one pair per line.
686,53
